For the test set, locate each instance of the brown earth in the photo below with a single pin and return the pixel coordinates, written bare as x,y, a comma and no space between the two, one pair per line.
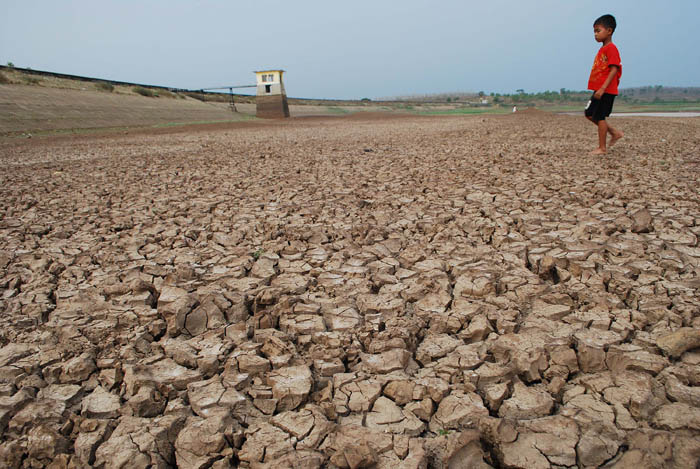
352,292
47,107
26,108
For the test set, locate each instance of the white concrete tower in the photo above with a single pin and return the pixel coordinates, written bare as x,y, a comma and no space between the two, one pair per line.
271,100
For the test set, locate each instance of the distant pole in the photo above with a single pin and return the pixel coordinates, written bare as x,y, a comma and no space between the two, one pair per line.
233,104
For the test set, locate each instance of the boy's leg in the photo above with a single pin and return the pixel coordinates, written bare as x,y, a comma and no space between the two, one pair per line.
615,135
602,136
596,112
601,140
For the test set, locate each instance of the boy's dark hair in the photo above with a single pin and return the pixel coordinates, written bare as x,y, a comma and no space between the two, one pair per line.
606,21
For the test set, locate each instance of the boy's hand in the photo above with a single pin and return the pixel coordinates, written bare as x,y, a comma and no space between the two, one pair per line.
611,75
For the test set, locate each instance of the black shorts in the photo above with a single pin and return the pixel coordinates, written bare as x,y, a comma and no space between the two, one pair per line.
599,109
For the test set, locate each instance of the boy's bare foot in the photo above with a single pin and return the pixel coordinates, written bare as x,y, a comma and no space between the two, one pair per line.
615,138
598,151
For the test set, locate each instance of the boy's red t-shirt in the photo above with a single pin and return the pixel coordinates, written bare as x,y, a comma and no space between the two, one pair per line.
607,55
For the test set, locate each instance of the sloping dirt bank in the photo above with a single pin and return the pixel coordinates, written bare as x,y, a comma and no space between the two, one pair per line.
25,108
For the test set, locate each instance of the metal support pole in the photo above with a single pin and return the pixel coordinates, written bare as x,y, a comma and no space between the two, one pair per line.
233,105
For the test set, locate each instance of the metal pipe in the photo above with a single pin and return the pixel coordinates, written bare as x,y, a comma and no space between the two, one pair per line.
228,87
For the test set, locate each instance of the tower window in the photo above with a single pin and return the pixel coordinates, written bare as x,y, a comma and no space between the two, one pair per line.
268,88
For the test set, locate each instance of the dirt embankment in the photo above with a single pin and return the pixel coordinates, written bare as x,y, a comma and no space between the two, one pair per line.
32,101
27,108
405,292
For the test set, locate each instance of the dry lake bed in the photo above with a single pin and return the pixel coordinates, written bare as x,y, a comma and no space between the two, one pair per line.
361,291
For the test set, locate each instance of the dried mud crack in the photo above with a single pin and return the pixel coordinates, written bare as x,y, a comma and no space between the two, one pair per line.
366,291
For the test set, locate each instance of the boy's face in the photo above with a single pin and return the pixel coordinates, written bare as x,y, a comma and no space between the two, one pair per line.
601,33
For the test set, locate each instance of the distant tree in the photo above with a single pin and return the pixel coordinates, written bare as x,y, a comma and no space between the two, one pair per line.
10,65
520,91
449,100
481,94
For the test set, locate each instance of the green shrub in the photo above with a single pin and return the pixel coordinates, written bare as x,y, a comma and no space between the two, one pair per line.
165,94
104,86
145,92
32,80
4,80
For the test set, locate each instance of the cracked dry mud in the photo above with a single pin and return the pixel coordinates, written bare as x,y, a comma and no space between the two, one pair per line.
390,292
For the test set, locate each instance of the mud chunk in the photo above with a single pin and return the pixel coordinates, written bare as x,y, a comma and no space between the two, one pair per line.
541,442
677,416
627,356
458,411
526,402
456,449
386,416
264,443
290,386
678,342
45,443
386,362
162,375
138,442
309,426
642,221
436,346
78,369
400,391
92,434
210,397
101,404
147,402
202,440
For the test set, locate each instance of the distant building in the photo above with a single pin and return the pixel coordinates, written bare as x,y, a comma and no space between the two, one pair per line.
271,100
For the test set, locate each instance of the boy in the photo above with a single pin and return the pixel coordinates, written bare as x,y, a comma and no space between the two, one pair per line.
604,80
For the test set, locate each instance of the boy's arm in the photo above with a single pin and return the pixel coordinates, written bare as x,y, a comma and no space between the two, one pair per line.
611,76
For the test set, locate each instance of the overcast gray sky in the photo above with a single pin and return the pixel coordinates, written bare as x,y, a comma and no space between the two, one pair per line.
353,49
